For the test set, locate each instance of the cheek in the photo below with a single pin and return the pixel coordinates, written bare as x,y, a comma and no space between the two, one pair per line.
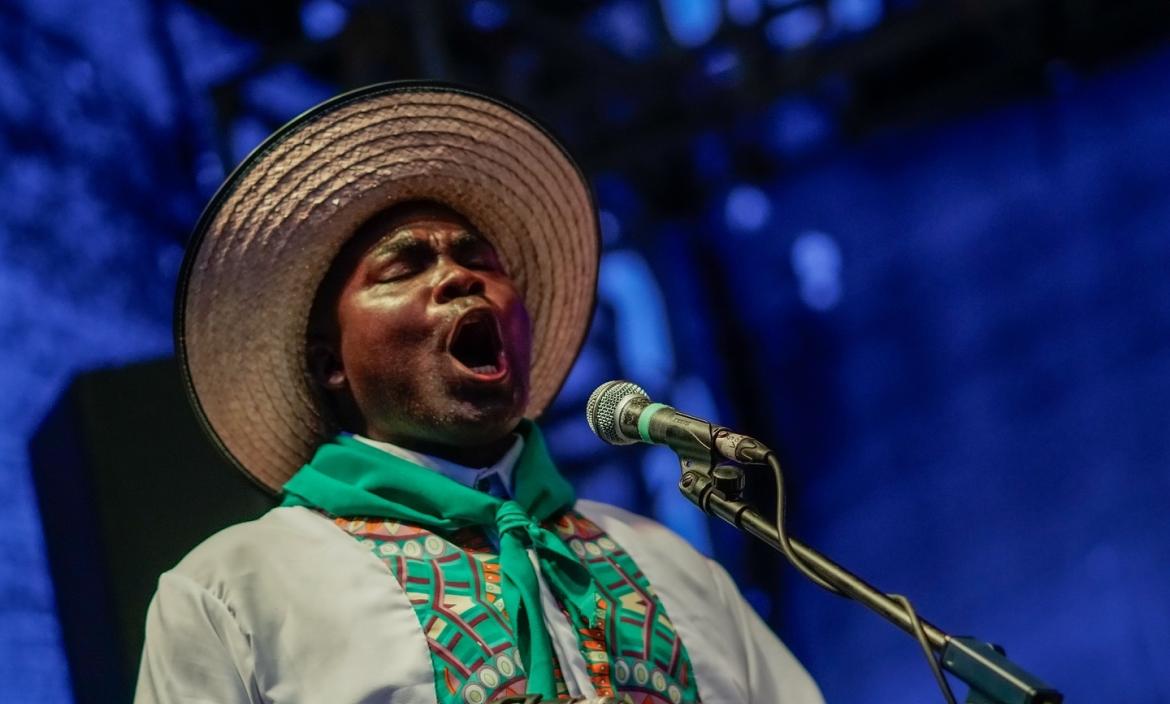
377,335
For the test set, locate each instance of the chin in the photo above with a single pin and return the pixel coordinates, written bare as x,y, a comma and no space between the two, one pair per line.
450,410
480,422
498,399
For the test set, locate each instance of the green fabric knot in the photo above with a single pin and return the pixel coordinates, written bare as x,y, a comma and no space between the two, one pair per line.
349,478
511,516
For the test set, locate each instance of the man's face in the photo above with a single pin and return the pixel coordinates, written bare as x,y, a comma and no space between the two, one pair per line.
431,342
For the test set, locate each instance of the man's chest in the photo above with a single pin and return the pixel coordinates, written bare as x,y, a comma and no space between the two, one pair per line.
455,587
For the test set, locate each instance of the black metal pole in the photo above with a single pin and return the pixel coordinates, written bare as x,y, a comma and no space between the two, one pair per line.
699,489
992,677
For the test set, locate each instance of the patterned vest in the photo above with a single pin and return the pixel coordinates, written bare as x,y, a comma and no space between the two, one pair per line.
453,581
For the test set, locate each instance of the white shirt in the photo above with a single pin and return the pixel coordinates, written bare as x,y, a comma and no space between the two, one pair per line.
289,608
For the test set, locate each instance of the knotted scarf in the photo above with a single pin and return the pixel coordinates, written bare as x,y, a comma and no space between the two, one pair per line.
347,477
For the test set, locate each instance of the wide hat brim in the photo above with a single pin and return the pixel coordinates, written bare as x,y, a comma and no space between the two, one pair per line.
270,234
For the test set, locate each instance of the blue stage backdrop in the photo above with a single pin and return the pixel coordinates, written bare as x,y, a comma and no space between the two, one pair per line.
956,330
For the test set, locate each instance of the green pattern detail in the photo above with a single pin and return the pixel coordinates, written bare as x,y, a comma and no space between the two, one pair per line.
644,659
452,582
455,592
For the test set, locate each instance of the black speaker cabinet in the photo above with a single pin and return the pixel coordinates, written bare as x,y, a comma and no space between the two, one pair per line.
127,483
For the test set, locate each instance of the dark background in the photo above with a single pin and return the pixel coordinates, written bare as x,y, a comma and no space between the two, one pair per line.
922,247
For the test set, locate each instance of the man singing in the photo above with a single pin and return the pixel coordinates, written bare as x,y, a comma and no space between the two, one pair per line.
374,307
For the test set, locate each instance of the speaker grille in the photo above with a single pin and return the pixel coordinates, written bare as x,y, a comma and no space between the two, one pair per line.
601,411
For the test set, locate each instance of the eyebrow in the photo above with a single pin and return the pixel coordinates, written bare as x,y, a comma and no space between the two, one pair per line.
401,242
470,240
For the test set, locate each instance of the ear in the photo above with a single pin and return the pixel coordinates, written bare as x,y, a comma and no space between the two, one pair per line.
325,364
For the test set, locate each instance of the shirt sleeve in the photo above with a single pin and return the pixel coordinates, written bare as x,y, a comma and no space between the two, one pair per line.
194,652
774,676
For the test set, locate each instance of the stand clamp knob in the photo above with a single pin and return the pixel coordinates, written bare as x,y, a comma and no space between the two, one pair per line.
728,480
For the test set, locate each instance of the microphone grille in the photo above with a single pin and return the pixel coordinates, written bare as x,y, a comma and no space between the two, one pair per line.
601,411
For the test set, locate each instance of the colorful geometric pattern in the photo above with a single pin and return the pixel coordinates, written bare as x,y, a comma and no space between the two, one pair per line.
636,654
455,591
453,582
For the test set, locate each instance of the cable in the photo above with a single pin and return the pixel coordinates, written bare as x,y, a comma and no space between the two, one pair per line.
920,634
803,568
782,533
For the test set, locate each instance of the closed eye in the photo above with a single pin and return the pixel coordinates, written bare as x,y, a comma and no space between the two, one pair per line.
404,261
396,272
484,262
474,252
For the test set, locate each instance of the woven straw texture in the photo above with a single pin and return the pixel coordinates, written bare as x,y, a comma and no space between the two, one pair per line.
269,238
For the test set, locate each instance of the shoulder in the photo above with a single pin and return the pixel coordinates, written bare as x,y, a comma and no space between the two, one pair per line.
282,545
300,592
274,531
286,569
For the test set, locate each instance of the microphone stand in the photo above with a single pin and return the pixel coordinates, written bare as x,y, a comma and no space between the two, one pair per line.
992,678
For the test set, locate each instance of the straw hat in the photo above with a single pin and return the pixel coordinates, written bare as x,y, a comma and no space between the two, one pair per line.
266,241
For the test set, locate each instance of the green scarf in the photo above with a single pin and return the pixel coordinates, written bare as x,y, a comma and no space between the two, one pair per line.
347,477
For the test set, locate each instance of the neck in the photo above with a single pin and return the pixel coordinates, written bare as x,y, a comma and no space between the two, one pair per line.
478,455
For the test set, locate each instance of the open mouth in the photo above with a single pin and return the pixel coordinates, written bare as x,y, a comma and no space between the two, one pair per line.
476,344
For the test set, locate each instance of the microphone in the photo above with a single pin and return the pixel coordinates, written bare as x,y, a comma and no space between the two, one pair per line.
620,413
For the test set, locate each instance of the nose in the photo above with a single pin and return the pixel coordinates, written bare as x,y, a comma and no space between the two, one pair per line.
457,282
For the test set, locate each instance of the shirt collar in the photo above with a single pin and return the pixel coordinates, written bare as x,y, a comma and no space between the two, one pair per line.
467,476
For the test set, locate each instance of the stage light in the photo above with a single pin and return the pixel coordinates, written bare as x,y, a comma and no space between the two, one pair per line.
855,15
743,11
592,364
746,209
816,260
709,156
797,125
616,195
168,259
795,29
323,19
642,327
691,22
209,52
721,64
283,90
623,26
611,227
611,482
660,472
488,15
246,133
79,76
209,171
